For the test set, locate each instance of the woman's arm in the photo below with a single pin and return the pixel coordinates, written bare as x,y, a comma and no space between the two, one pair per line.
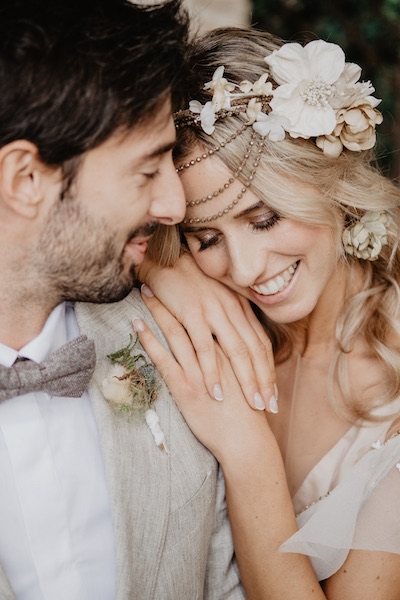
207,308
259,503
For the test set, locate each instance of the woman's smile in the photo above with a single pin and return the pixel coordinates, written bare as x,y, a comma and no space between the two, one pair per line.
276,284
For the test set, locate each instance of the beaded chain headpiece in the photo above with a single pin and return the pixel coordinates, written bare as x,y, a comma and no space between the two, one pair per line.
314,94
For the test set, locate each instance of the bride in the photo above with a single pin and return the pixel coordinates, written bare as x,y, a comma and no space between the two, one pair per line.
286,211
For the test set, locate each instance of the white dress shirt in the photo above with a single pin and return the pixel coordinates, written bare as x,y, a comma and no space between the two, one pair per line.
56,536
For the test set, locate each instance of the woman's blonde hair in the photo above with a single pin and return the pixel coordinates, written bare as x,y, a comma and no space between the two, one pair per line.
347,187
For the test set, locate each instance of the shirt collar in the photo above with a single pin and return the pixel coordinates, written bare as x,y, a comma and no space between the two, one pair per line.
51,338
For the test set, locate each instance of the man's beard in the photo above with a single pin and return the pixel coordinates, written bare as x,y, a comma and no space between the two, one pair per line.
80,262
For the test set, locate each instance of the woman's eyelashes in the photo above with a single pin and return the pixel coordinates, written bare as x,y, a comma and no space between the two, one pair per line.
261,223
208,240
212,238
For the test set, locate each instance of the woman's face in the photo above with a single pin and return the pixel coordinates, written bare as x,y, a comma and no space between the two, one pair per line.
283,266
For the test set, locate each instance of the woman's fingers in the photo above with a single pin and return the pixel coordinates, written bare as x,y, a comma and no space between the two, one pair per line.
241,337
223,427
208,310
262,355
202,340
179,365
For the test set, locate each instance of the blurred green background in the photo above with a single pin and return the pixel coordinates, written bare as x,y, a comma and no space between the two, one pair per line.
369,33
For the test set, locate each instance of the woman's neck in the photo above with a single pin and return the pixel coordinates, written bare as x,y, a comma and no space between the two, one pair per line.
318,329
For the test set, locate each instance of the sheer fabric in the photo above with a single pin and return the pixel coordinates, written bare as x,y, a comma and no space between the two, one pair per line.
350,498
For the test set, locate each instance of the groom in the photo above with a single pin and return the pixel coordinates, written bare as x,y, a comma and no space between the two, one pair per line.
90,507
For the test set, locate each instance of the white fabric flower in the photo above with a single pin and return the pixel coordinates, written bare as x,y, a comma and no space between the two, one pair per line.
272,126
253,111
306,76
261,87
347,90
206,113
220,88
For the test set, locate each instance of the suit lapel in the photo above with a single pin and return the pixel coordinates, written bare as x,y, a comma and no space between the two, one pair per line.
137,471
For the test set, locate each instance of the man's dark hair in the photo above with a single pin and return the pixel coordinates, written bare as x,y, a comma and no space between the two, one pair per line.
73,72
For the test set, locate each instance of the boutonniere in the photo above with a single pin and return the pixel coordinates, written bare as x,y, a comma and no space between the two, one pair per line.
132,387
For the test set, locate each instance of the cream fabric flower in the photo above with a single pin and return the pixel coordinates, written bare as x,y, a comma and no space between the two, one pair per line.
356,125
365,238
116,387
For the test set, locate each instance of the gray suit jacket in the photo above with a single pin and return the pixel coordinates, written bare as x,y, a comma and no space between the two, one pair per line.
172,537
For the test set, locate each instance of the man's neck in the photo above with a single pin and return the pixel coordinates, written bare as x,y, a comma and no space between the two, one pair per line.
21,323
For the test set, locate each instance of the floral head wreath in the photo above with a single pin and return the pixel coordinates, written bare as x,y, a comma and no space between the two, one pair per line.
318,95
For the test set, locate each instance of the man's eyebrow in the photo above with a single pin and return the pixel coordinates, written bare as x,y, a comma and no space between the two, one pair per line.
159,151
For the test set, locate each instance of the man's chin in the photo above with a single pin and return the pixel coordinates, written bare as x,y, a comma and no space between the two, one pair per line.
106,294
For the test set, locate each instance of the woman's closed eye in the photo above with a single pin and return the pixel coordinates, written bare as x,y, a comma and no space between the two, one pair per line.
262,223
208,239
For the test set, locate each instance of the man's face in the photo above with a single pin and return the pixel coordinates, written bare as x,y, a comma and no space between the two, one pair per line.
93,239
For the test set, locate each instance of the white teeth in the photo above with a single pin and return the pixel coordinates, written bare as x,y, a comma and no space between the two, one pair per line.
277,284
280,281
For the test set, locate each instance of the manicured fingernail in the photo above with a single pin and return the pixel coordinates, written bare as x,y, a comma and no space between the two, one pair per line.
273,405
218,395
138,325
276,391
258,401
146,291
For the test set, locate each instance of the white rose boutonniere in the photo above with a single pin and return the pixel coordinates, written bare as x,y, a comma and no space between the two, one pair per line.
132,387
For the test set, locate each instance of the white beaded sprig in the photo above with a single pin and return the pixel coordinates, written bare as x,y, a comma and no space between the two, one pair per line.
153,423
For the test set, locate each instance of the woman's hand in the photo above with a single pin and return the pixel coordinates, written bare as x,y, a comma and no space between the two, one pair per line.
207,310
229,428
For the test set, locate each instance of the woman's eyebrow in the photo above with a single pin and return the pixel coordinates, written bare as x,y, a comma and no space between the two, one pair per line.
194,229
243,213
249,209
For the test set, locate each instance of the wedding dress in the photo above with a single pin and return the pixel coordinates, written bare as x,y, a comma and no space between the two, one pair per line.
350,499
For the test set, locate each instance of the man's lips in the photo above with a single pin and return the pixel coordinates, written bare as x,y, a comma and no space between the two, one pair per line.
140,243
136,249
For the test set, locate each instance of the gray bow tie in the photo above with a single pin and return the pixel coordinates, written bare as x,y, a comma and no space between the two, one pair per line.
66,372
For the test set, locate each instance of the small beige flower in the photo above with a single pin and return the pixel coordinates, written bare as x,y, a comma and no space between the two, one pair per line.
356,125
330,145
365,238
116,387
